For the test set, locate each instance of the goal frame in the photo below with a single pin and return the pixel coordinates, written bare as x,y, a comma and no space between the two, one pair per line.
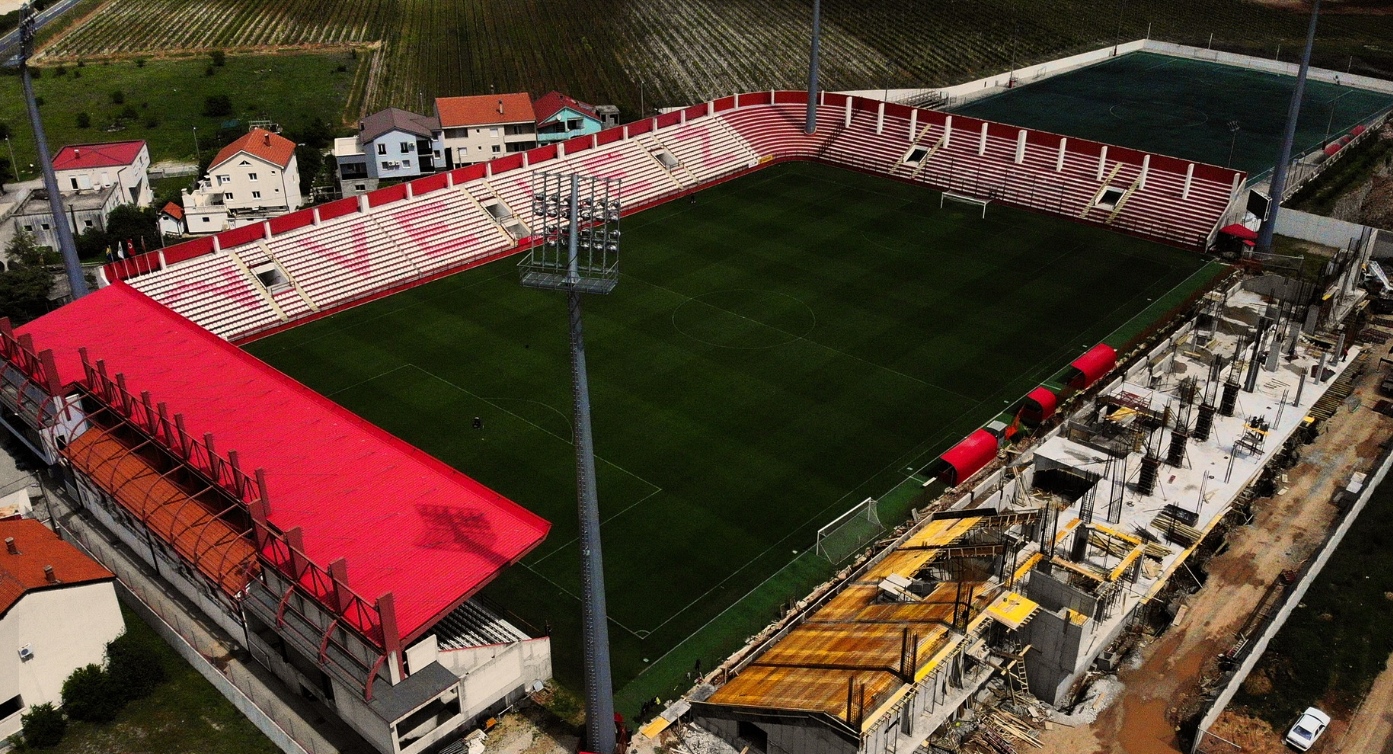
944,196
866,509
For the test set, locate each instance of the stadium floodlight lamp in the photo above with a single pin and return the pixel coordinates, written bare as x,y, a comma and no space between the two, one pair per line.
583,255
575,248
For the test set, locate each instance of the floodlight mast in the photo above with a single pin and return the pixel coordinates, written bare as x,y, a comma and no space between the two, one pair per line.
76,282
811,125
543,268
1279,171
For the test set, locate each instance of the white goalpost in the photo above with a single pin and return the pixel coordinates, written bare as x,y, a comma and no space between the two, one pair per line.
849,532
953,196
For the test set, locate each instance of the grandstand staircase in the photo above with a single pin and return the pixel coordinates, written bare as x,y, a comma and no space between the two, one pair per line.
483,195
918,142
260,288
512,231
1106,184
678,170
1117,208
295,286
408,250
735,137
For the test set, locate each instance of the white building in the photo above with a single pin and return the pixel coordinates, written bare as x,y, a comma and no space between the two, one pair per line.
58,611
484,127
391,144
124,164
250,180
82,211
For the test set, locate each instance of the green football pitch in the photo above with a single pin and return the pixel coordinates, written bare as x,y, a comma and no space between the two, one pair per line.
1182,108
787,345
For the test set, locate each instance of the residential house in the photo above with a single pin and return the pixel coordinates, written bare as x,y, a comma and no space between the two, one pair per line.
482,127
250,180
561,117
171,219
58,611
82,210
391,144
124,164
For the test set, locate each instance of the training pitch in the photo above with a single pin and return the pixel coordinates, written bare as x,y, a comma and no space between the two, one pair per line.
1185,108
791,343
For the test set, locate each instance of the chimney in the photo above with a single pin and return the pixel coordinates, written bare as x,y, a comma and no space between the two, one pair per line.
10,546
48,575
500,107
267,137
77,153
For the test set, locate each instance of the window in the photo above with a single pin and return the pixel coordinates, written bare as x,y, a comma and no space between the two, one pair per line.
497,148
205,219
29,229
382,149
86,223
251,177
74,180
406,163
227,196
43,225
224,179
438,712
11,706
256,194
360,187
406,147
493,132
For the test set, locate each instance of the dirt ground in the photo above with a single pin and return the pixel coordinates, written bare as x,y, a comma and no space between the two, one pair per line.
1286,529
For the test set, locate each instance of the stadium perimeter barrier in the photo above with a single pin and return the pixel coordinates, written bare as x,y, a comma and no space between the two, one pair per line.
1031,169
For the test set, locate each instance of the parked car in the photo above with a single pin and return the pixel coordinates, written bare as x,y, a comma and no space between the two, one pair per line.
1308,728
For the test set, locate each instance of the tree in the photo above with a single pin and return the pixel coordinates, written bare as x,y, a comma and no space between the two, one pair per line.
4,130
84,120
43,726
310,161
126,223
118,97
217,106
218,57
90,695
26,285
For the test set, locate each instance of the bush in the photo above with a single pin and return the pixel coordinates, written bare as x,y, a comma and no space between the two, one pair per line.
90,695
218,57
118,97
60,71
43,726
152,122
209,71
140,62
217,106
84,120
134,667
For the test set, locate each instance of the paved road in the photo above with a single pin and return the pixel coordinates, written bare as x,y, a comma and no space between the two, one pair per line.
9,44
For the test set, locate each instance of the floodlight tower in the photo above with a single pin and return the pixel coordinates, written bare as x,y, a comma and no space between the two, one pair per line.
586,210
811,124
1279,171
76,282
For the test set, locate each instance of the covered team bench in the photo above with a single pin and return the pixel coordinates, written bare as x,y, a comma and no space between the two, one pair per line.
966,458
1090,367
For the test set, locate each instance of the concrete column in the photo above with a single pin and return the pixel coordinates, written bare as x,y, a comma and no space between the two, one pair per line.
525,161
1145,168
947,131
266,229
913,123
847,112
314,212
626,126
450,174
1020,147
162,262
410,190
488,169
682,116
1189,178
362,202
880,119
217,245
1102,161
982,141
1059,158
710,110
560,149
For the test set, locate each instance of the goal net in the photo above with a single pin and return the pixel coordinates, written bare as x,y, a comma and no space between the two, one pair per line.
850,532
964,199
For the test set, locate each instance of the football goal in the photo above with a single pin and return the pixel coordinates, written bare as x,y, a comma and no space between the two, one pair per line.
952,196
850,532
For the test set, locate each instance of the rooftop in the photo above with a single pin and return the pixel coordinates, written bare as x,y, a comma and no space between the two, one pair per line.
109,154
37,548
405,522
484,110
81,201
259,142
551,103
396,119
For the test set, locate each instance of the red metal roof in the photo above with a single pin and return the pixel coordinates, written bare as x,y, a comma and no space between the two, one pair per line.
173,210
1240,231
551,103
38,547
406,522
1044,403
969,456
1099,360
261,143
484,110
110,154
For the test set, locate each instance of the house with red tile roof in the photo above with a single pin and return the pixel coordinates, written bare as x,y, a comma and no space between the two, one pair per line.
58,611
485,126
123,164
252,179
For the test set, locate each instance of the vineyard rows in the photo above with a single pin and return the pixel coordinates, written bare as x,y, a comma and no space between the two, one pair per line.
680,51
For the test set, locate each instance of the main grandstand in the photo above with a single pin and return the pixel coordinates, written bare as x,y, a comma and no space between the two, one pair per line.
349,562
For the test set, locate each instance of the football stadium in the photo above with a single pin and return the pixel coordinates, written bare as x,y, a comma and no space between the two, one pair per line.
345,433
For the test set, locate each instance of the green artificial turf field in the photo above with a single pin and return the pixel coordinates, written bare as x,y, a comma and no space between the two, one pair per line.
789,344
1183,108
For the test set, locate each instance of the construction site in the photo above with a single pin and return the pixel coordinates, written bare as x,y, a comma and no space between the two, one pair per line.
1060,550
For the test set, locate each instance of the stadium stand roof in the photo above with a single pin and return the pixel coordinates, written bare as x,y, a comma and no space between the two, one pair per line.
37,547
970,455
261,143
405,522
110,154
1098,361
484,110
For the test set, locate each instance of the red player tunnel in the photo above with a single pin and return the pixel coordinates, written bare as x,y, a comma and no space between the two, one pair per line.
1090,367
967,457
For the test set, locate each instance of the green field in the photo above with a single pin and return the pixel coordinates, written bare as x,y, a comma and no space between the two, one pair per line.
166,101
675,52
1183,108
789,344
